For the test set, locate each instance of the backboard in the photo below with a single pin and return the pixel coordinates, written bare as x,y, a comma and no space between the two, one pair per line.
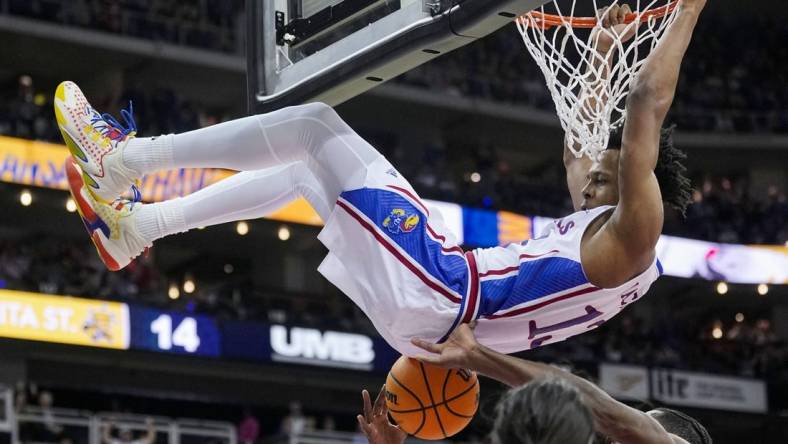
300,51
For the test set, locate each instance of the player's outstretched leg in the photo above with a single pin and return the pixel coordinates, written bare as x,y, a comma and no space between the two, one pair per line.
123,230
112,158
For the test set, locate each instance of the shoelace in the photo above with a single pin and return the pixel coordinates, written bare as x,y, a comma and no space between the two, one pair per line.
109,127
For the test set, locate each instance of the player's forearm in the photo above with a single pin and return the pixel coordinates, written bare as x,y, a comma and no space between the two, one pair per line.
506,369
612,418
656,84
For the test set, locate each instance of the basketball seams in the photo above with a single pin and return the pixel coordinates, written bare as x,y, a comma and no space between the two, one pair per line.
448,407
447,401
453,398
432,398
422,409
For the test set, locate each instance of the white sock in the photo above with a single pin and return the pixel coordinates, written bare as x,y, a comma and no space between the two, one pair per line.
161,219
149,154
243,196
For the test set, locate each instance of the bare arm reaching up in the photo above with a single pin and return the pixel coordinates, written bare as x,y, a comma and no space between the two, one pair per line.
624,246
611,418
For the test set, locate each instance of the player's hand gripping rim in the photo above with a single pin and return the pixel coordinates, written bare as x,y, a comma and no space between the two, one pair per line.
375,421
457,352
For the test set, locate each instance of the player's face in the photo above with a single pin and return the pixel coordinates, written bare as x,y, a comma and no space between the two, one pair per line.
602,181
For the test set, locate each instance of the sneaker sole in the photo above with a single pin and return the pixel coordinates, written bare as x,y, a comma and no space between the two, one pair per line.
97,229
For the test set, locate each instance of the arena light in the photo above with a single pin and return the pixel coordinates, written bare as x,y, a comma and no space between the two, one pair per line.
26,198
722,288
283,233
188,286
228,268
739,317
173,292
242,228
476,177
716,332
763,289
71,206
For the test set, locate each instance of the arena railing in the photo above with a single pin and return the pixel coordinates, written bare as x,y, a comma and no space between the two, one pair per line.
84,426
6,408
331,437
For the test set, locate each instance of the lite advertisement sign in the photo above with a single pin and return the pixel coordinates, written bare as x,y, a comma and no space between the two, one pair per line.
689,389
64,320
682,388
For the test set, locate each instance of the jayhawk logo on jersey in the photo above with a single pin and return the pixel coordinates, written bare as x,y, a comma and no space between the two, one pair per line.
398,221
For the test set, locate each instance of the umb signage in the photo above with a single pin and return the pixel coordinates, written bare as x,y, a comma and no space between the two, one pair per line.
708,391
331,349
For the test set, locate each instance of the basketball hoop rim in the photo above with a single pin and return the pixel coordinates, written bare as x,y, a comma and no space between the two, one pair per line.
552,20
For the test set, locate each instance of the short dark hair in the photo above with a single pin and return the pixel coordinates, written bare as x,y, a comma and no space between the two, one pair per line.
544,411
681,425
675,187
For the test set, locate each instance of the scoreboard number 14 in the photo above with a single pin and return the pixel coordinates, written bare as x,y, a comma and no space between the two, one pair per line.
184,335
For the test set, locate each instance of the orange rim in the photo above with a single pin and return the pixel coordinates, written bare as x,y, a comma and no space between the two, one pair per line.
552,20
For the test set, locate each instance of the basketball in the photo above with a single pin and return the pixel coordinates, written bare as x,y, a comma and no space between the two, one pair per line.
431,402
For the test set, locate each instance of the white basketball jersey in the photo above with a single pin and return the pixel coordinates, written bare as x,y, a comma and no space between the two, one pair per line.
535,293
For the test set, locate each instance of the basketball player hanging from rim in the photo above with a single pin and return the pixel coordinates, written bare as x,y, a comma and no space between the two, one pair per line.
387,250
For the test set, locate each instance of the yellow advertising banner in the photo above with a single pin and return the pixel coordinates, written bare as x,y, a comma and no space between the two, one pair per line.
41,164
65,320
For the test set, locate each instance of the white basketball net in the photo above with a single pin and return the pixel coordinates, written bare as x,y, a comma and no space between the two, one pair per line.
590,101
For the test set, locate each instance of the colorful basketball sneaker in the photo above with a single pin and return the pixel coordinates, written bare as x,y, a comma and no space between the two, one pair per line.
96,141
111,226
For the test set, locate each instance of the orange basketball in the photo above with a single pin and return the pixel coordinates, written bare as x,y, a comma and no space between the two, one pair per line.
431,402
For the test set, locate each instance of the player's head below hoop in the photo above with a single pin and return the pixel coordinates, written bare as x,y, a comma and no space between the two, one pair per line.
545,411
521,416
602,187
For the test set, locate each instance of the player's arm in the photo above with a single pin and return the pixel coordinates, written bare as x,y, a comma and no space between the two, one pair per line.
630,235
602,39
611,418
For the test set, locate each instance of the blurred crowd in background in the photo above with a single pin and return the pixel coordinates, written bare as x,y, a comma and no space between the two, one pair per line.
254,425
732,84
53,265
211,25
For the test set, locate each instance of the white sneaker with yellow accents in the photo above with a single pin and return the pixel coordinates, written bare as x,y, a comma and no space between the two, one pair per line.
112,227
96,142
